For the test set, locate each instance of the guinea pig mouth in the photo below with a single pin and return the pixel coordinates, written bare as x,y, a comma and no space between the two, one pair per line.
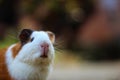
44,56
44,51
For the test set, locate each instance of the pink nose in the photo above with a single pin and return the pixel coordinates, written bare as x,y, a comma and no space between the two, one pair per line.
44,48
44,45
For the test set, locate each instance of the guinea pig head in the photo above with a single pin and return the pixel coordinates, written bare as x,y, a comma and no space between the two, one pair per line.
37,46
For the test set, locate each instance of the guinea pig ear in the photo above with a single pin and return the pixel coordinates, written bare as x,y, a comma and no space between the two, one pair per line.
51,36
25,35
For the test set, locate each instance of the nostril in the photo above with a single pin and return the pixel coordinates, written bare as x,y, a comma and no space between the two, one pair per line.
47,45
44,45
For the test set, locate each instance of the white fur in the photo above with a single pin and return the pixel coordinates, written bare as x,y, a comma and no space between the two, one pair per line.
9,58
28,65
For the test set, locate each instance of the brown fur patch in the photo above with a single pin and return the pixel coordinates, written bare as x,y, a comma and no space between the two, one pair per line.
4,75
16,49
51,36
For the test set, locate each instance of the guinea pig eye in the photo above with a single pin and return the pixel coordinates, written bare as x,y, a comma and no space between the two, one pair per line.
32,39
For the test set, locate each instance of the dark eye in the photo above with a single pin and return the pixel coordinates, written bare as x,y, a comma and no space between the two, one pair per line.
32,39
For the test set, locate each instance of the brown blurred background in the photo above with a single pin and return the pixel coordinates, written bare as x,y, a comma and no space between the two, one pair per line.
87,34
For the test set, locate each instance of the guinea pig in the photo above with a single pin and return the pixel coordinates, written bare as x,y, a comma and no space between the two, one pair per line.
29,59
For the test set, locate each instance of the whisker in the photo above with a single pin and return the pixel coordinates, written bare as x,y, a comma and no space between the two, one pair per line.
59,45
11,36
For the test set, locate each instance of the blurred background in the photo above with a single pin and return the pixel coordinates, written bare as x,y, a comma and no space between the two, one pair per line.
87,34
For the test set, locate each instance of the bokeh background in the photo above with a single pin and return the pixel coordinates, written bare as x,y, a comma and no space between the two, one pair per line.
87,34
